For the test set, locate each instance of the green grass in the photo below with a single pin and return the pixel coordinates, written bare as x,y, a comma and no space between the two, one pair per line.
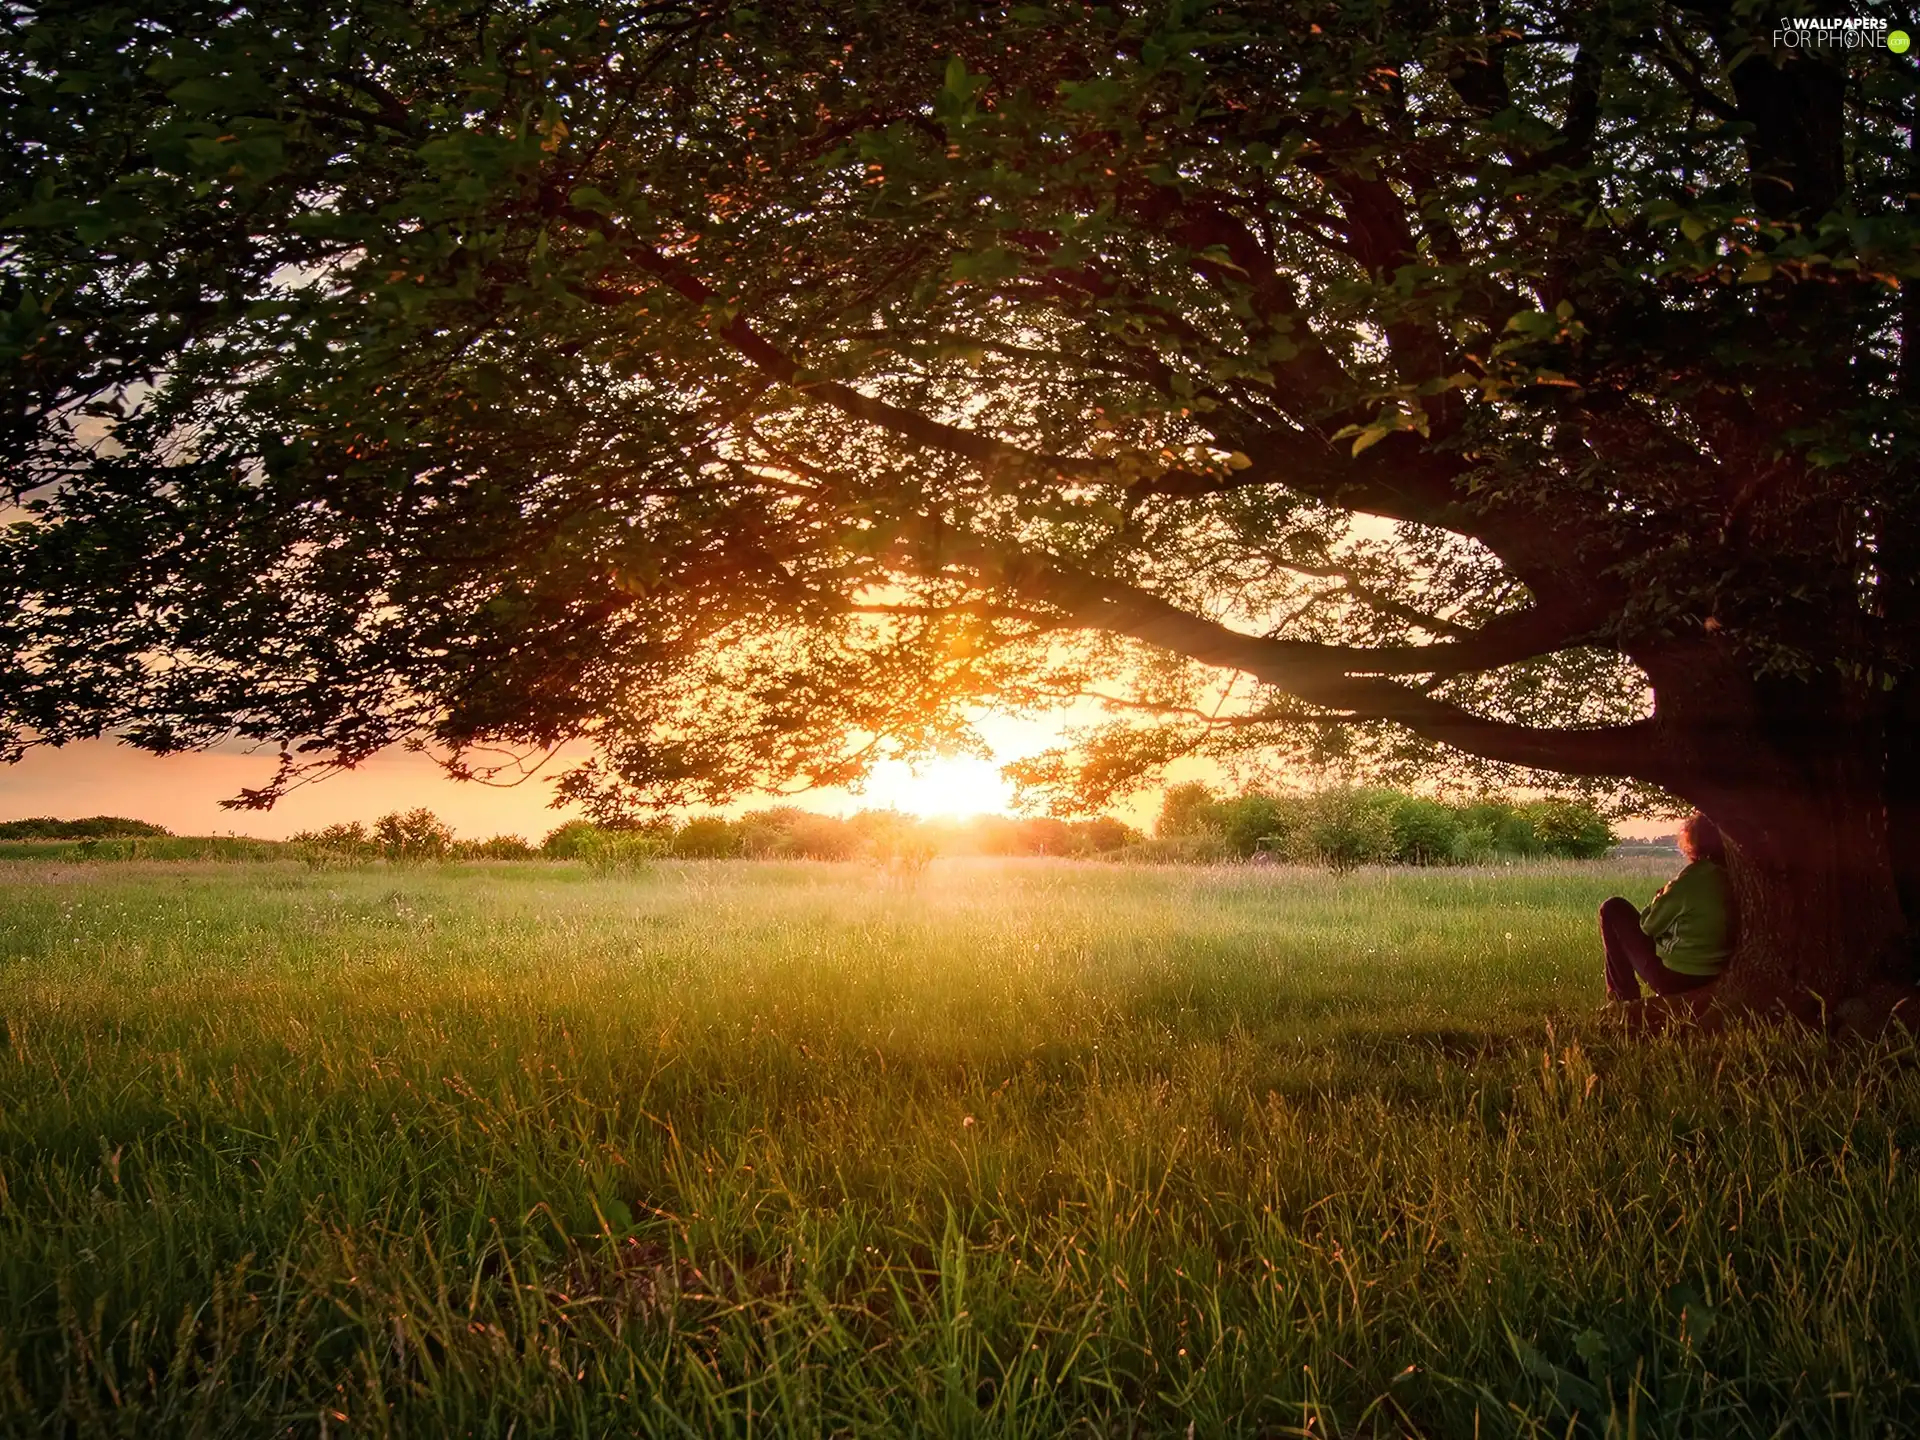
145,847
1032,1148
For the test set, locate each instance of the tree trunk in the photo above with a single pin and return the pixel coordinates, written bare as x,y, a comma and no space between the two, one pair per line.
1797,776
1816,899
1903,806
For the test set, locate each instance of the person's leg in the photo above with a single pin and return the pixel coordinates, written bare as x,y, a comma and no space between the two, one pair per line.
1671,982
1629,952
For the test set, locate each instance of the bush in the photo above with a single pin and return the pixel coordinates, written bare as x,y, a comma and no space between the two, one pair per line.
1507,831
146,847
822,837
1103,835
569,841
1189,809
1425,832
790,833
606,847
904,844
500,847
989,835
1257,822
706,838
1043,835
93,827
340,844
407,836
1571,829
609,849
1347,828
1473,842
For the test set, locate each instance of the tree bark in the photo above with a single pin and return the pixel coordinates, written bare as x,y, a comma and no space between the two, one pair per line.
1903,802
1816,903
1796,775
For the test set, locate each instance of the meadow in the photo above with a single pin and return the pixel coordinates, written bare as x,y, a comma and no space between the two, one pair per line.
1021,1148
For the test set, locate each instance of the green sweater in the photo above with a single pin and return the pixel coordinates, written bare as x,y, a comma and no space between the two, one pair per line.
1688,921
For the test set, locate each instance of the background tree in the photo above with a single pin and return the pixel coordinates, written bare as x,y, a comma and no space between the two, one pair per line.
753,390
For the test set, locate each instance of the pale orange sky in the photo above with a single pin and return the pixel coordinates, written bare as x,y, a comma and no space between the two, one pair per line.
183,792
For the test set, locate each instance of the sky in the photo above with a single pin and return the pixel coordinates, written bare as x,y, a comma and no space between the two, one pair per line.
183,792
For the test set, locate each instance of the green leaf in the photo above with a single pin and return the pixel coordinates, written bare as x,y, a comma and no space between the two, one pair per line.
1371,436
203,94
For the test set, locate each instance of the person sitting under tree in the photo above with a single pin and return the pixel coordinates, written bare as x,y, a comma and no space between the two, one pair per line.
1683,939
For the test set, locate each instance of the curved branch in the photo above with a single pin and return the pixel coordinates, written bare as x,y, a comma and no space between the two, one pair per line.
1317,674
1503,640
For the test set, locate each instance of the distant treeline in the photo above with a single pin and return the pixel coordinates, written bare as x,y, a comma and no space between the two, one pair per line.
94,827
785,833
1349,826
1339,828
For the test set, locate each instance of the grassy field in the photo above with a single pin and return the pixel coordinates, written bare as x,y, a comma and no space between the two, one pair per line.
1027,1149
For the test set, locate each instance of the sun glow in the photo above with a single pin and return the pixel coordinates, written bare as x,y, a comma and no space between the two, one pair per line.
958,785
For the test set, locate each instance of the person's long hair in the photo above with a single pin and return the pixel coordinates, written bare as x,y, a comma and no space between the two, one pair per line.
1700,839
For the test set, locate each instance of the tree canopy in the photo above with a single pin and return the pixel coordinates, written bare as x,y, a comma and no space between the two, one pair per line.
748,389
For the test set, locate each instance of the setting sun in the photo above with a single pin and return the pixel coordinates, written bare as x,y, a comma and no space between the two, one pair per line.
958,785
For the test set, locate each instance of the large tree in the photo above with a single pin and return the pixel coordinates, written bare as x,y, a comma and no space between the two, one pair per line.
748,388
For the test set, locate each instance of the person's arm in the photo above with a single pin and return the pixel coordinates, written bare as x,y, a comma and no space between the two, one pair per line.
1659,918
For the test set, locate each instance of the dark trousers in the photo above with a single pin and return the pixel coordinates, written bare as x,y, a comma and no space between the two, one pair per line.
1630,954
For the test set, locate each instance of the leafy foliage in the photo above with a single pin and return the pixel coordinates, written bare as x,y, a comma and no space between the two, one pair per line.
416,834
403,837
1344,827
751,393
340,843
93,827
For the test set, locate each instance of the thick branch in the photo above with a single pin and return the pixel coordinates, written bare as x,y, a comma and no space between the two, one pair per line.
1504,640
1310,673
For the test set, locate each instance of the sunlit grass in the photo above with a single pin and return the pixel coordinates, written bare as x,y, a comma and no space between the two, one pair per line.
1029,1148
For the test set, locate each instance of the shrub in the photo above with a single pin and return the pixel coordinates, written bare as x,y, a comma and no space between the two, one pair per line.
1189,809
413,835
606,847
1472,842
790,833
768,834
1043,835
338,844
707,837
1347,828
903,844
1507,831
1255,822
1571,829
879,829
569,841
93,827
1102,835
1425,831
822,837
499,847
626,849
